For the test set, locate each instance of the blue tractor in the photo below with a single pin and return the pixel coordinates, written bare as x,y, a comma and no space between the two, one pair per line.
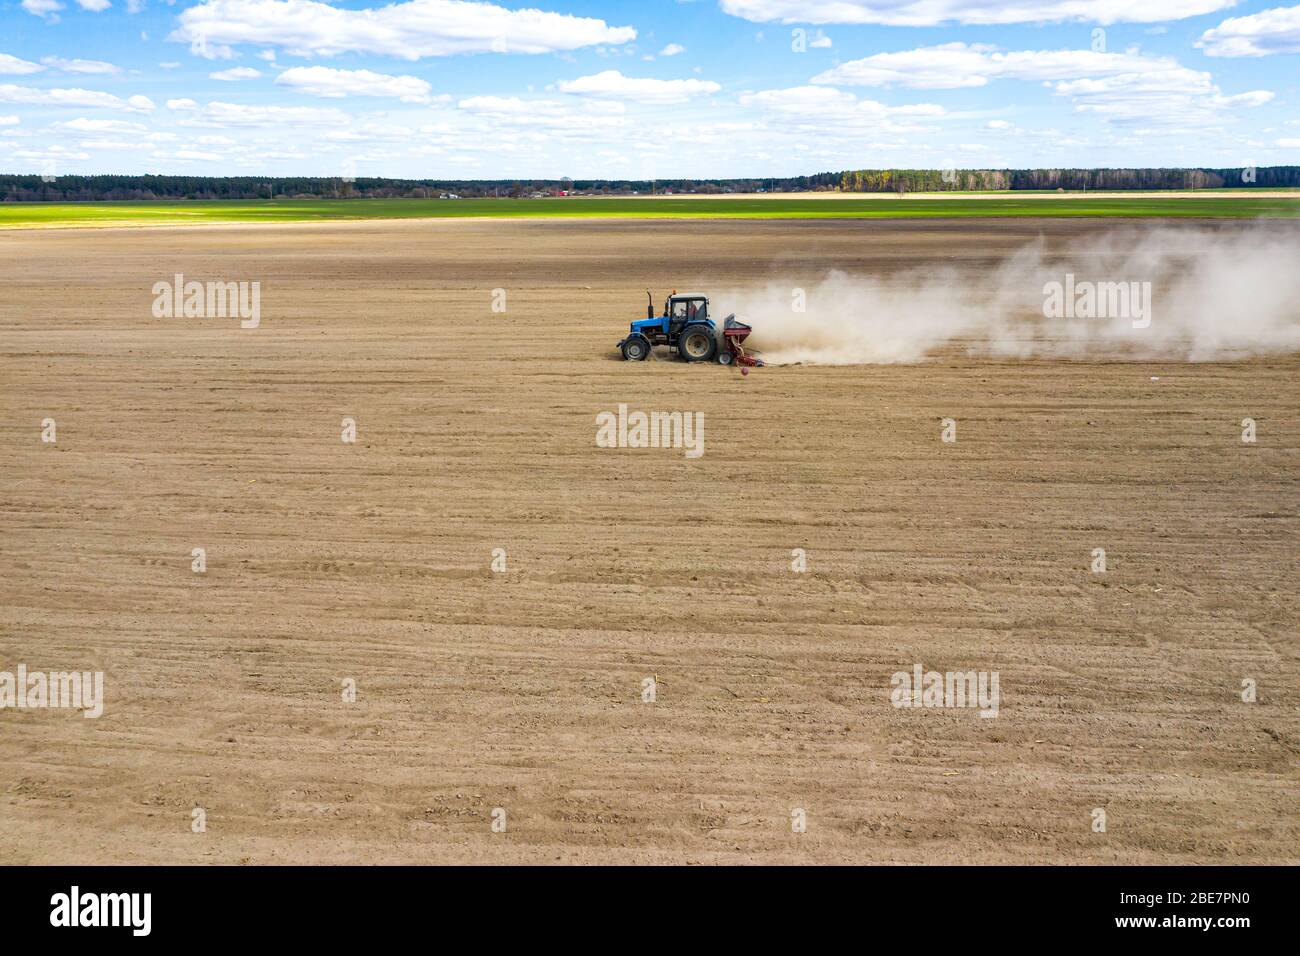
684,326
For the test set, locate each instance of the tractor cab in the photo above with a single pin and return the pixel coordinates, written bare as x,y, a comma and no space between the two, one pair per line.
682,310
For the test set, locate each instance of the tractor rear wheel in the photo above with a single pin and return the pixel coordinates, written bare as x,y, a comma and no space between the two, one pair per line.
636,349
697,343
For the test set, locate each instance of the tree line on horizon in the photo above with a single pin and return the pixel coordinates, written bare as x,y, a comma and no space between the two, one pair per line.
965,180
72,188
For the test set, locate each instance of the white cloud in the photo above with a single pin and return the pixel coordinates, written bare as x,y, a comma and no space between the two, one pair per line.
928,13
998,125
1120,86
672,49
9,120
235,74
507,105
820,41
1289,143
14,66
1162,98
80,66
219,115
84,125
322,81
43,8
118,144
1260,34
9,93
182,105
199,46
50,153
134,6
954,65
612,83
512,111
170,65
94,6
824,110
409,30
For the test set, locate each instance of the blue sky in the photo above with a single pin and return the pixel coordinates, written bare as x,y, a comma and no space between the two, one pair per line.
654,89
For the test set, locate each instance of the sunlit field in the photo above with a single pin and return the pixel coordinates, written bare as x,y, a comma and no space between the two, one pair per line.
867,207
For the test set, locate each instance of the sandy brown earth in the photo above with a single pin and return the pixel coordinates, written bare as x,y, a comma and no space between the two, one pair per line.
476,690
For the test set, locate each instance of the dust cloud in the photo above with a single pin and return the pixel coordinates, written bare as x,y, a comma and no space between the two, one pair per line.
1194,295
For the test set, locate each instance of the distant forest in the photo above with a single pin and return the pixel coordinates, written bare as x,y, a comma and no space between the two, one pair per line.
89,188
937,180
82,188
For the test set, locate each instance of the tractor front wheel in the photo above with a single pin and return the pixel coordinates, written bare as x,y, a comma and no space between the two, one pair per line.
697,343
636,349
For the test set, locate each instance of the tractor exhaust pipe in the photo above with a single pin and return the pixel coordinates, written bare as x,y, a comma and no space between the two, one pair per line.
650,305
